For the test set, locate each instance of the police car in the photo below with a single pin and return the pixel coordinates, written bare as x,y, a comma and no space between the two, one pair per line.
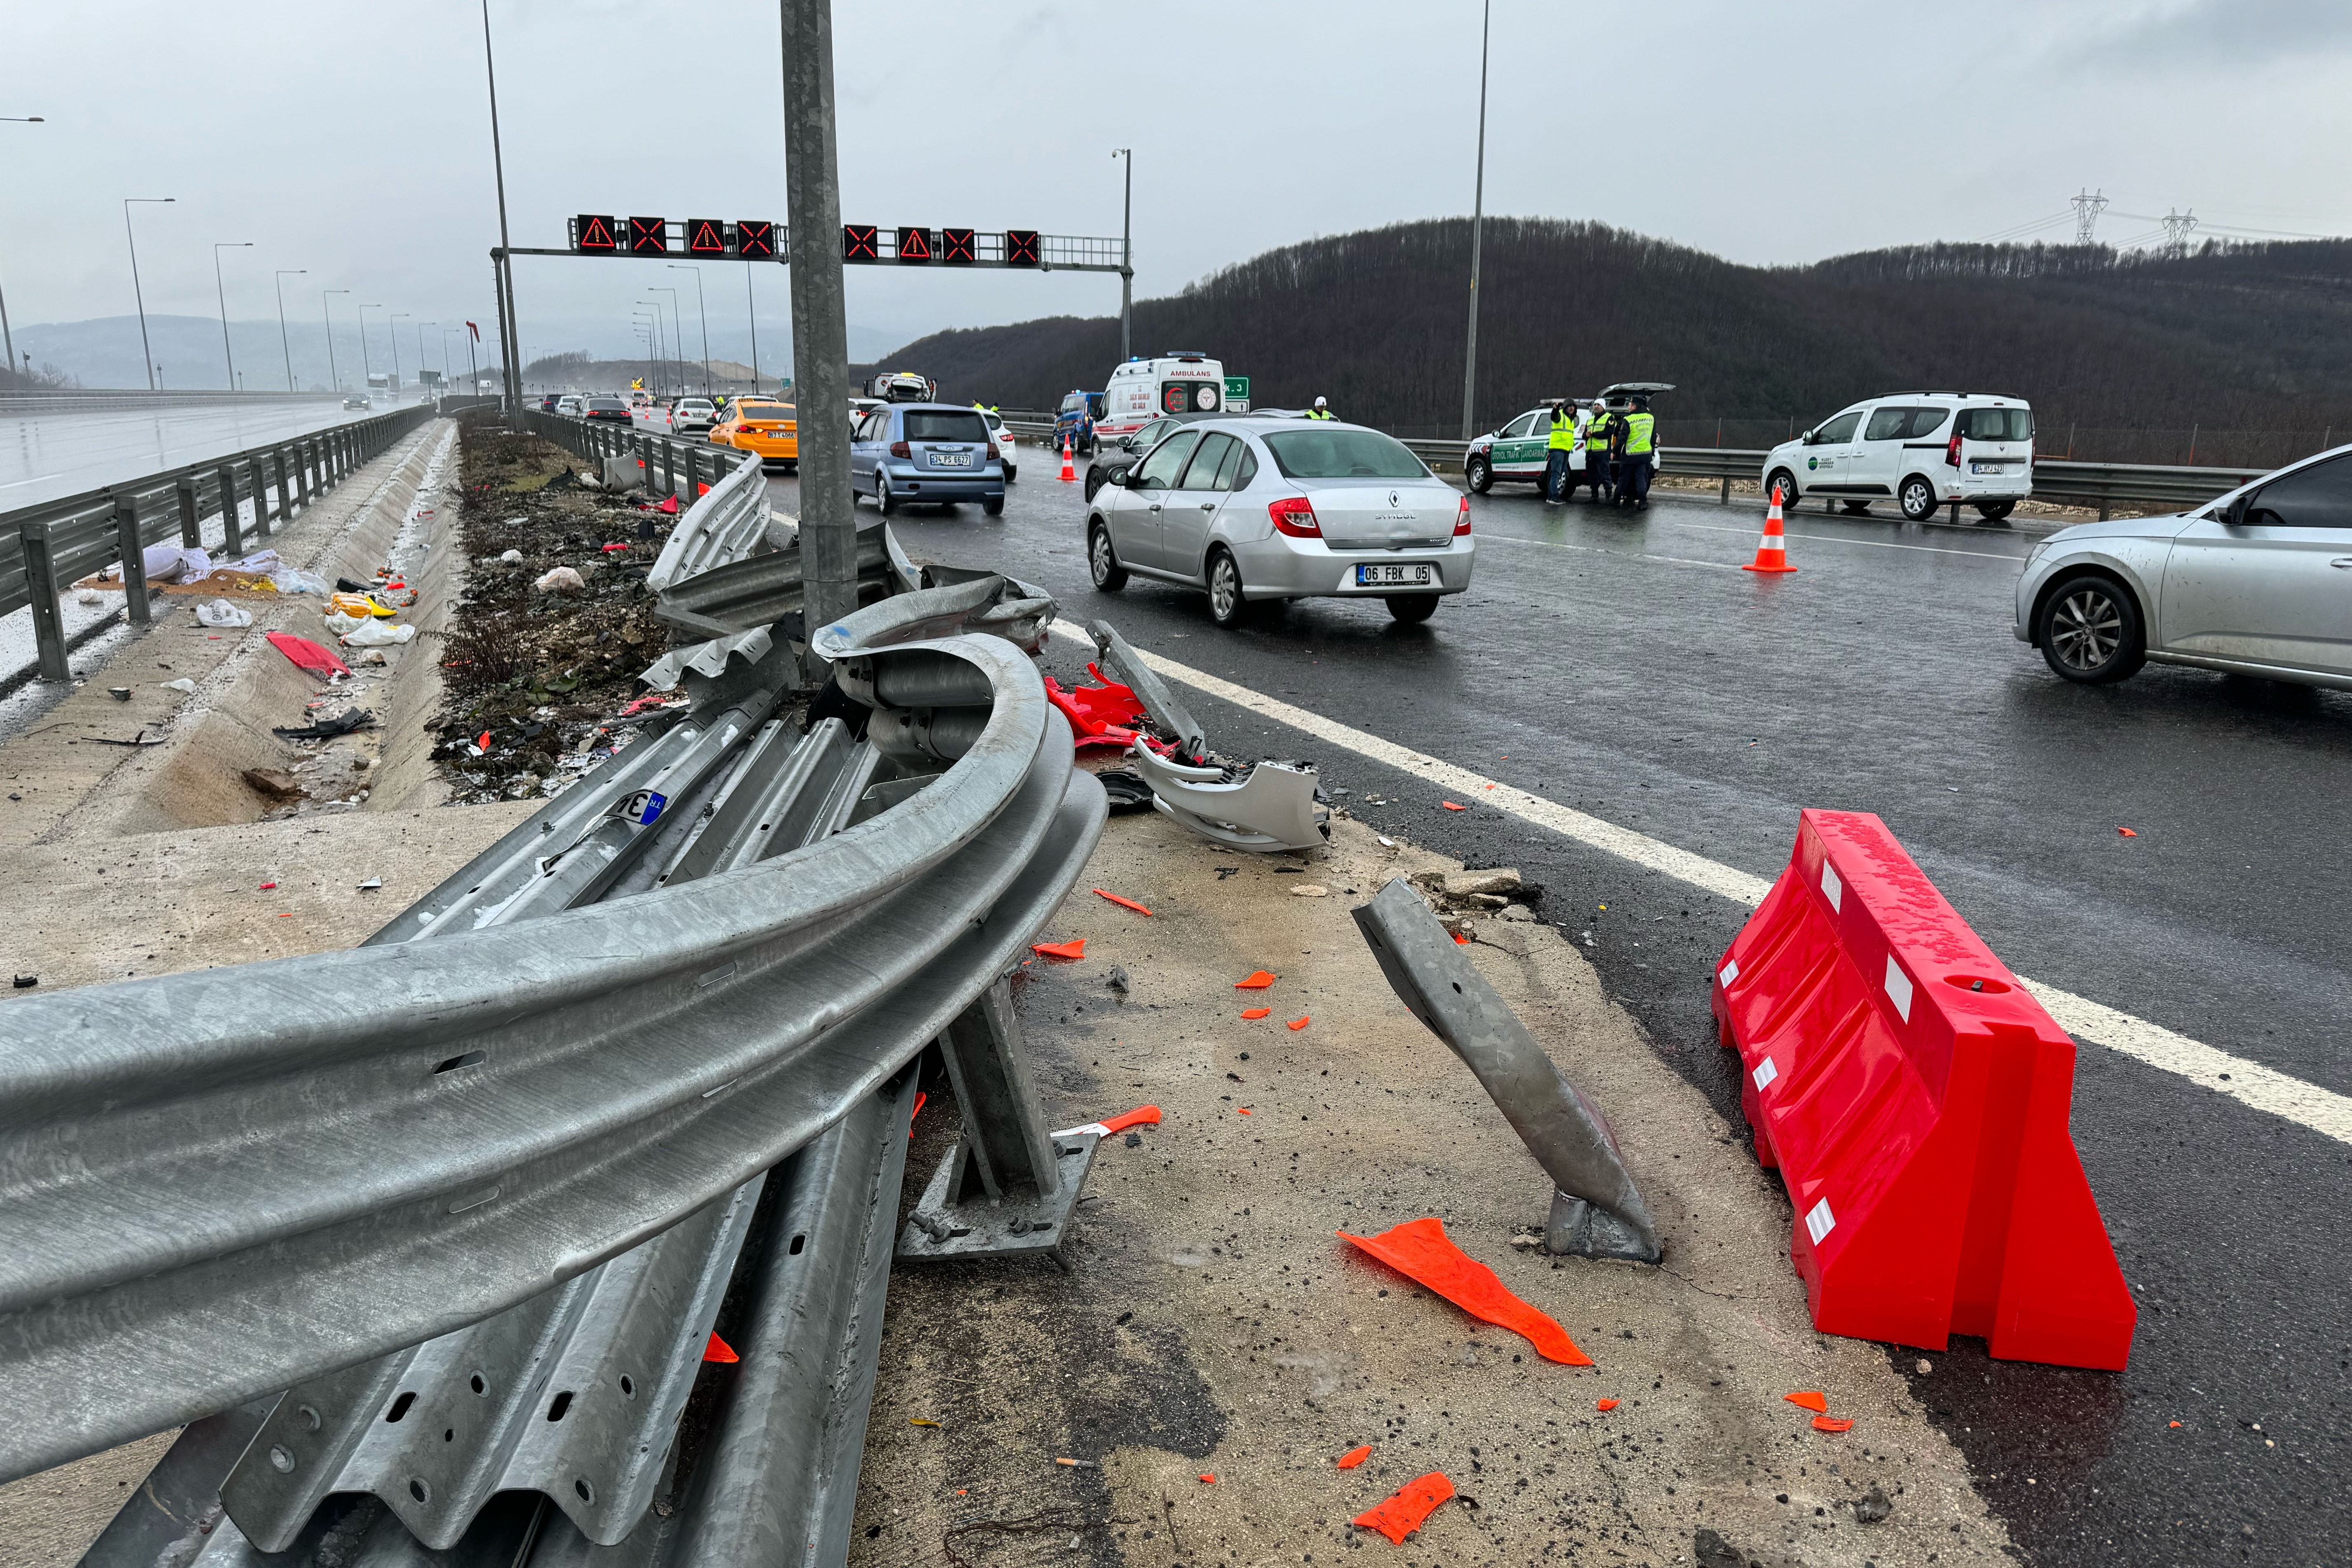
1923,448
1521,450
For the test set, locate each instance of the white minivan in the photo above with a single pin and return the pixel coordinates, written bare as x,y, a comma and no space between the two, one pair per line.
1923,448
1141,390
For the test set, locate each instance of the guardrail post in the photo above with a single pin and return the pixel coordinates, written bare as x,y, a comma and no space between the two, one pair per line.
133,550
305,456
1726,488
192,533
232,530
260,484
41,583
285,492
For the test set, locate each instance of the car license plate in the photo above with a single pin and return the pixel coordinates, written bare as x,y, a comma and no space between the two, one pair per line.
1391,576
952,460
1987,467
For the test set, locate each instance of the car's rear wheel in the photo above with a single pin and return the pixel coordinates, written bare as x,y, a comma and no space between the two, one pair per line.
994,506
1102,562
1227,604
1011,473
1784,482
1413,608
1917,498
1480,472
884,501
1857,506
2090,631
1995,510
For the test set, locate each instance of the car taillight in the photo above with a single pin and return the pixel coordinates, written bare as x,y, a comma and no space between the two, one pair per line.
993,453
1952,450
1295,516
901,449
1461,519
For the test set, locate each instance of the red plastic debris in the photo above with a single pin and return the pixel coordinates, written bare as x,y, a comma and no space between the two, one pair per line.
1831,1424
718,1350
1809,1398
483,744
1461,941
1915,1096
1074,949
1409,1507
1208,1481
1101,715
1241,1110
1452,805
266,886
669,506
1142,1116
1604,1404
1123,903
1258,980
1421,1250
919,1097
308,654
1295,1024
1353,1457
609,549
1256,1011
2126,833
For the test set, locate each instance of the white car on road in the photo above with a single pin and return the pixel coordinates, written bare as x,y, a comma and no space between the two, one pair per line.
1003,439
692,413
1923,448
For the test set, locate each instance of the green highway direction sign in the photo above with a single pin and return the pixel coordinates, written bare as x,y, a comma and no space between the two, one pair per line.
1237,392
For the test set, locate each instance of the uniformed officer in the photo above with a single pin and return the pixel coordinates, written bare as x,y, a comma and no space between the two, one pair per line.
1598,464
1321,410
1557,479
1638,455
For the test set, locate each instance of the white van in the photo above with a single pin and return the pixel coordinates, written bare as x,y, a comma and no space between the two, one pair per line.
1923,448
1141,390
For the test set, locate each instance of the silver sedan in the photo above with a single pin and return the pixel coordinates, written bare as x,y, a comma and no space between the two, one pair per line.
2259,582
1255,510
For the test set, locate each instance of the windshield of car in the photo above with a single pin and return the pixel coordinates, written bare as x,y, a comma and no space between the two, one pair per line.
945,425
606,403
693,406
1343,455
1997,424
763,410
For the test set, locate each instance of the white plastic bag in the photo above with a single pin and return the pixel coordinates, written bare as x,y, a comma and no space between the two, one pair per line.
221,612
294,580
377,633
562,579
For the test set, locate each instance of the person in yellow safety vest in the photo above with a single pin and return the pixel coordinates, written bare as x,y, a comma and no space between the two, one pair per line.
1556,477
1638,443
1598,464
1321,410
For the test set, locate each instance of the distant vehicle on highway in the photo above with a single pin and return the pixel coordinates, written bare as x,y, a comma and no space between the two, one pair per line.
611,408
571,405
1924,448
926,453
2258,583
1183,381
547,402
1253,510
1520,449
758,425
355,401
692,413
1073,422
901,386
1007,451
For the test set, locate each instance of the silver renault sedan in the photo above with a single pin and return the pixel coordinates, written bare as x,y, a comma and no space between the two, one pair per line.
2257,583
1257,510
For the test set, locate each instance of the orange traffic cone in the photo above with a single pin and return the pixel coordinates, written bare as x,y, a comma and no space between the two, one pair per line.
1773,549
1067,472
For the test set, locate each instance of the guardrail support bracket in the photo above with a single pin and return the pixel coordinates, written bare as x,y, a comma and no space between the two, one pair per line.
1008,1188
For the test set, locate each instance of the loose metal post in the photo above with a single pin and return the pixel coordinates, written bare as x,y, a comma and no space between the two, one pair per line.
820,328
41,582
134,550
232,530
192,533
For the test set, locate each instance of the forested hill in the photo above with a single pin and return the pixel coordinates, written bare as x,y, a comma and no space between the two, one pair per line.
2254,336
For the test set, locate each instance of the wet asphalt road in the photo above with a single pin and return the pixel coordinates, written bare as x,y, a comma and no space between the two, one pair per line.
1624,667
46,456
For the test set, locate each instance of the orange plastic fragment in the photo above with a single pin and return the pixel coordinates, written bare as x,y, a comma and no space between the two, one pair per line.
1451,806
2126,833
1353,1457
1604,1404
266,886
1258,980
1409,1508
1208,1481
718,1350
1421,1250
1142,1116
1831,1424
1256,1011
1076,948
1461,941
920,1096
1809,1399
1123,903
2176,1422
1241,1110
1295,1024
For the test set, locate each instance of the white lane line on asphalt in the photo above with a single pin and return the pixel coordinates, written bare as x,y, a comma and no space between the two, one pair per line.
1872,543
35,479
2264,1089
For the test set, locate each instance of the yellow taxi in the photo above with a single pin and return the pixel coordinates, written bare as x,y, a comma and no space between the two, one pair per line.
760,426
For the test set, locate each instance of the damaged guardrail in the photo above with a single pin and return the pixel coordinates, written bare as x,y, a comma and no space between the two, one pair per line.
1596,1210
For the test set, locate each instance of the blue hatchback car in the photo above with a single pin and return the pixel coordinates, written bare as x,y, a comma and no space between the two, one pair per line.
918,452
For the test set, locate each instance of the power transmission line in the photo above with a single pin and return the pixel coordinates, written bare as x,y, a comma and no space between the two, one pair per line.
2087,208
2176,227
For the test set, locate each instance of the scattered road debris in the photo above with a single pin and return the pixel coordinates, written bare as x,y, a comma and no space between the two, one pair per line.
1258,980
1876,1505
2126,833
1409,1507
1256,1011
1810,1398
1353,1457
1422,1251
308,654
1076,948
718,1349
1604,1405
1123,903
1296,1025
1831,1424
26,981
1142,1116
1116,980
1453,806
1077,1464
342,723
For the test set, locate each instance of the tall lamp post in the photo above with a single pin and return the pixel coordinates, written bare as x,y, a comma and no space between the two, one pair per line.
677,331
220,292
7,337
820,319
653,307
394,333
284,342
510,330
367,364
751,312
146,349
705,315
420,348
1126,254
1477,226
333,375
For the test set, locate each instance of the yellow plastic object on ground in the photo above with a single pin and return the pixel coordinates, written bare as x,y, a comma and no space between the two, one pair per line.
360,606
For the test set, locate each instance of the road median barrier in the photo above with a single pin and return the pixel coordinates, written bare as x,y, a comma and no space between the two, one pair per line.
1915,1096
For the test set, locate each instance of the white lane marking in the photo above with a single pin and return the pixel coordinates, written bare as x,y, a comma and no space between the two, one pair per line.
35,479
2250,1083
1874,544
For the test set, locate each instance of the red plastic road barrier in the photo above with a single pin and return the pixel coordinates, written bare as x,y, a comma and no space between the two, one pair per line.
1915,1098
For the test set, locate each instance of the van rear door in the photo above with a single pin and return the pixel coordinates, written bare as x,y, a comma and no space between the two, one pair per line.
1996,449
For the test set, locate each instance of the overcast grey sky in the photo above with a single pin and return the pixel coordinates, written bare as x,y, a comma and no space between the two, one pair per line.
353,140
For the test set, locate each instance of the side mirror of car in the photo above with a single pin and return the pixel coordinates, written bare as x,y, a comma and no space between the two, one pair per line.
2236,516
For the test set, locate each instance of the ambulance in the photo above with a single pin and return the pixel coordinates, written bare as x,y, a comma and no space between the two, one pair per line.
1141,390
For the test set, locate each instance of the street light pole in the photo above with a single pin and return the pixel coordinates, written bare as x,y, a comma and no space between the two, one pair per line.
284,343
1477,226
394,333
509,332
820,322
146,349
8,338
652,318
1125,254
420,327
700,310
332,373
677,331
220,292
751,309
367,366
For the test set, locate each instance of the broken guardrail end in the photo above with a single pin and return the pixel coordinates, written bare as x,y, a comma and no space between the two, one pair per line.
1258,807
